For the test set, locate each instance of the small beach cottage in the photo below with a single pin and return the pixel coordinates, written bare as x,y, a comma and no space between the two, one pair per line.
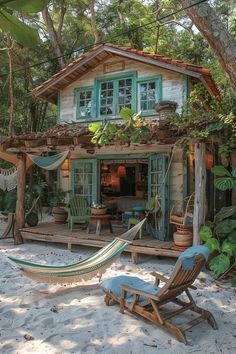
97,86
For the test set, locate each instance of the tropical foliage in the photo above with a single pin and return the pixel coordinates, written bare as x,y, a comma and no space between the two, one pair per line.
133,129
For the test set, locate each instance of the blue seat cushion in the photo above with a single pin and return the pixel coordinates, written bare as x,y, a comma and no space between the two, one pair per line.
112,285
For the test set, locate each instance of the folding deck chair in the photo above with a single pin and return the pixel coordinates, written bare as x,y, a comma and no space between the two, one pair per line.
148,300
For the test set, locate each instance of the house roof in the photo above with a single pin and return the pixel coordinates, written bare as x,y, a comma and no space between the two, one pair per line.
48,90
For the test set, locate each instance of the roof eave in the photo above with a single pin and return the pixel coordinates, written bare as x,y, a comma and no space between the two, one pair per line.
117,51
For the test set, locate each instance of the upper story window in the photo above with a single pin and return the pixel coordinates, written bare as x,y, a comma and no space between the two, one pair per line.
84,102
114,94
150,92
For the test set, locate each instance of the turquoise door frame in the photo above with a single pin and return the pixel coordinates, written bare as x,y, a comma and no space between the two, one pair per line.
84,179
158,181
158,185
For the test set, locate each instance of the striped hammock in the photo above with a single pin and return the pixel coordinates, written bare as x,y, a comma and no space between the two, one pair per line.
49,162
86,269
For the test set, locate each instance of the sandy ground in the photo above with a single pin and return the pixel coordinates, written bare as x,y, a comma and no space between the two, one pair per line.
40,318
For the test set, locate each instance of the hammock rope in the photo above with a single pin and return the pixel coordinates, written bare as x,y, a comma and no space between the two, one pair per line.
8,178
86,269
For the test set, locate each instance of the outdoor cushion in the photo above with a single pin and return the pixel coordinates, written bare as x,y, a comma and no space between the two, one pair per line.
112,285
188,256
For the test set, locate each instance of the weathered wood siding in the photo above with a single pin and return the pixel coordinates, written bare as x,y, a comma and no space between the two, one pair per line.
173,85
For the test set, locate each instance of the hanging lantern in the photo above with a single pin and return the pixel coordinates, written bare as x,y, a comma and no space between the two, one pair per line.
105,168
65,166
209,160
121,171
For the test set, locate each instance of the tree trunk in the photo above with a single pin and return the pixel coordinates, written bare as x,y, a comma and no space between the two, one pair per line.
53,38
93,22
20,203
11,95
200,191
213,30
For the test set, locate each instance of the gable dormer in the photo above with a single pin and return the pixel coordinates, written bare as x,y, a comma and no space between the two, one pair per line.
109,77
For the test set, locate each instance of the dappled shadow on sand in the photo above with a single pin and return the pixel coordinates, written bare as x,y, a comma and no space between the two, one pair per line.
74,319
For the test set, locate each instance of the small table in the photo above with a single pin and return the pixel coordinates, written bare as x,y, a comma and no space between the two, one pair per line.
100,221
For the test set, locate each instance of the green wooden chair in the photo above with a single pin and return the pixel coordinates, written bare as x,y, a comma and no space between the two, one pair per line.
78,211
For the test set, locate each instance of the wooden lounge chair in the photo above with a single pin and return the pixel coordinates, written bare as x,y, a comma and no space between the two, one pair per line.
78,211
148,300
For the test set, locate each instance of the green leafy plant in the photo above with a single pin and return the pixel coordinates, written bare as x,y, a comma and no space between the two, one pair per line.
221,238
225,180
132,130
21,32
57,198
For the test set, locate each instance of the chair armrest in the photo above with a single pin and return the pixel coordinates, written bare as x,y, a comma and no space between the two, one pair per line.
126,288
159,277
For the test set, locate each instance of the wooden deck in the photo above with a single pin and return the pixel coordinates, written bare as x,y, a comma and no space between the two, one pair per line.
51,232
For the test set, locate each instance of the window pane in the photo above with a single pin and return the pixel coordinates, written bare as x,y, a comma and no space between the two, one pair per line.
152,104
143,105
84,104
106,98
148,95
88,94
124,94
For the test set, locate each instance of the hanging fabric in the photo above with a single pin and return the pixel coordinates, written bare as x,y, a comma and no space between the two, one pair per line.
49,162
8,178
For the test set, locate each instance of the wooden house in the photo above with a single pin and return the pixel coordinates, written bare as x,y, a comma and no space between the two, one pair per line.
96,86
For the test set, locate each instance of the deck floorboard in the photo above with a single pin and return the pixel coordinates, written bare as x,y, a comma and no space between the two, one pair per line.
59,233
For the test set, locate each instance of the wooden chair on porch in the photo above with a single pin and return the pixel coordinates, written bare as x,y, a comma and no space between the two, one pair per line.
78,211
149,300
185,219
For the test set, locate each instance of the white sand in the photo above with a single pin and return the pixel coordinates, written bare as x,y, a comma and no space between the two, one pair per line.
68,320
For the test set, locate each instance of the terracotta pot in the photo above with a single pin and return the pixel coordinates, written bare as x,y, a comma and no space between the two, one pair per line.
59,214
183,239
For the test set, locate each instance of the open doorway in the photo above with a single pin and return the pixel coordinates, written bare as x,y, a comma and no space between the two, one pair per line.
124,178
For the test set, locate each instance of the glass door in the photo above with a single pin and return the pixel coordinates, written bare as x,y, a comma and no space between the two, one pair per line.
84,179
158,182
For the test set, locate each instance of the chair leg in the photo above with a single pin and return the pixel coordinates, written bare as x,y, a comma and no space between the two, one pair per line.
207,315
177,332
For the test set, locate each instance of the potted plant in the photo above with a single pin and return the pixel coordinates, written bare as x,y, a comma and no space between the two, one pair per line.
57,202
98,209
166,106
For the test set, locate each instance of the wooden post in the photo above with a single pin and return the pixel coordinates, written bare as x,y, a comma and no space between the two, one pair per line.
20,203
200,191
